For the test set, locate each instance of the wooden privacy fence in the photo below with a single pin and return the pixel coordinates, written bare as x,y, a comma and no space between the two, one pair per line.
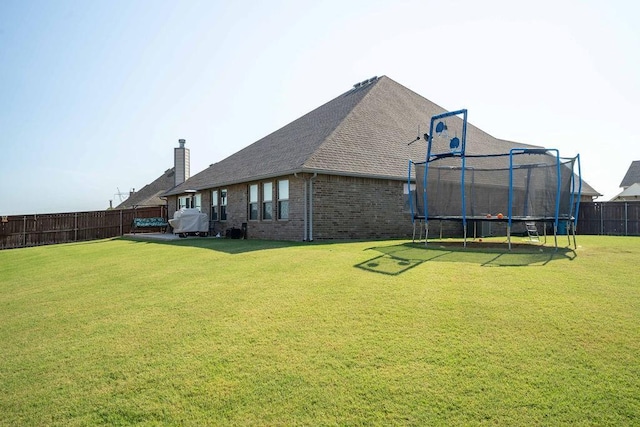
609,218
18,231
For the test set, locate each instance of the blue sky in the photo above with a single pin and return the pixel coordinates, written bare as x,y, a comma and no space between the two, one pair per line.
94,95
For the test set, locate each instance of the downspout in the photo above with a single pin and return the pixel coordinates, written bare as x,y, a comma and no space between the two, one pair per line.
304,210
166,210
304,205
311,206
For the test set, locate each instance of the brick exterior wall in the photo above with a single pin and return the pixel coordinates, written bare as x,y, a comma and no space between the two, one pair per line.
276,229
238,210
172,206
359,208
343,208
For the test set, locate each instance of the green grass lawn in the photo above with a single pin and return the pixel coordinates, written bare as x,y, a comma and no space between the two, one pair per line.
231,332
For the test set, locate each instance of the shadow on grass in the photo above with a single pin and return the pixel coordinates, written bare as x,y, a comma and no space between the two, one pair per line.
396,259
229,246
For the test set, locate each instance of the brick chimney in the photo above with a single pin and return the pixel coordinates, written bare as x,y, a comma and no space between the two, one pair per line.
181,162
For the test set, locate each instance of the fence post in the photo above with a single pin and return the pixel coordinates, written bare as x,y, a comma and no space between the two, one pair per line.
121,233
75,227
626,218
601,220
24,231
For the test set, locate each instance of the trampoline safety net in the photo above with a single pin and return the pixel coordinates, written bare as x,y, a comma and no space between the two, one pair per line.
521,184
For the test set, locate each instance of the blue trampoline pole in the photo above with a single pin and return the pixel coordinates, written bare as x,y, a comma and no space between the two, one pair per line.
413,220
510,207
464,168
558,187
575,221
464,207
424,187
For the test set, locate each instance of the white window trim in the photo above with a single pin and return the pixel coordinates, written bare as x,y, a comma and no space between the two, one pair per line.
283,199
255,202
265,201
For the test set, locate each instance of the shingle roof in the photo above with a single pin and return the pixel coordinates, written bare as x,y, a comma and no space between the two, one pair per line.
149,195
630,193
632,176
285,150
363,132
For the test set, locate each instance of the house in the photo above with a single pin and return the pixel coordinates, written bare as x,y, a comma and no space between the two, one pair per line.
631,193
630,184
150,194
632,176
338,172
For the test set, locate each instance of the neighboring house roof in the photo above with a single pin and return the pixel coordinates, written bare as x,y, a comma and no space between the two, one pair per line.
630,193
149,195
632,176
363,132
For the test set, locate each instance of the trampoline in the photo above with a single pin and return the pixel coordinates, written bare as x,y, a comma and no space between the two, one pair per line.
523,186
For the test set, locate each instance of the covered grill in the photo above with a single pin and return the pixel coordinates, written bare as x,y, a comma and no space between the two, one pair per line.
190,221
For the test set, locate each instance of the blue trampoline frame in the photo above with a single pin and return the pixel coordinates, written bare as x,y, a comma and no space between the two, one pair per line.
574,202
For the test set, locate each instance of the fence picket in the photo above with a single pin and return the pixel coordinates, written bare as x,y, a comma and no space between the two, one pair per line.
19,231
609,218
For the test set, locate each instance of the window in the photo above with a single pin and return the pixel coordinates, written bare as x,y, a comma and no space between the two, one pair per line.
253,202
267,200
190,201
185,202
283,199
214,205
182,201
223,205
